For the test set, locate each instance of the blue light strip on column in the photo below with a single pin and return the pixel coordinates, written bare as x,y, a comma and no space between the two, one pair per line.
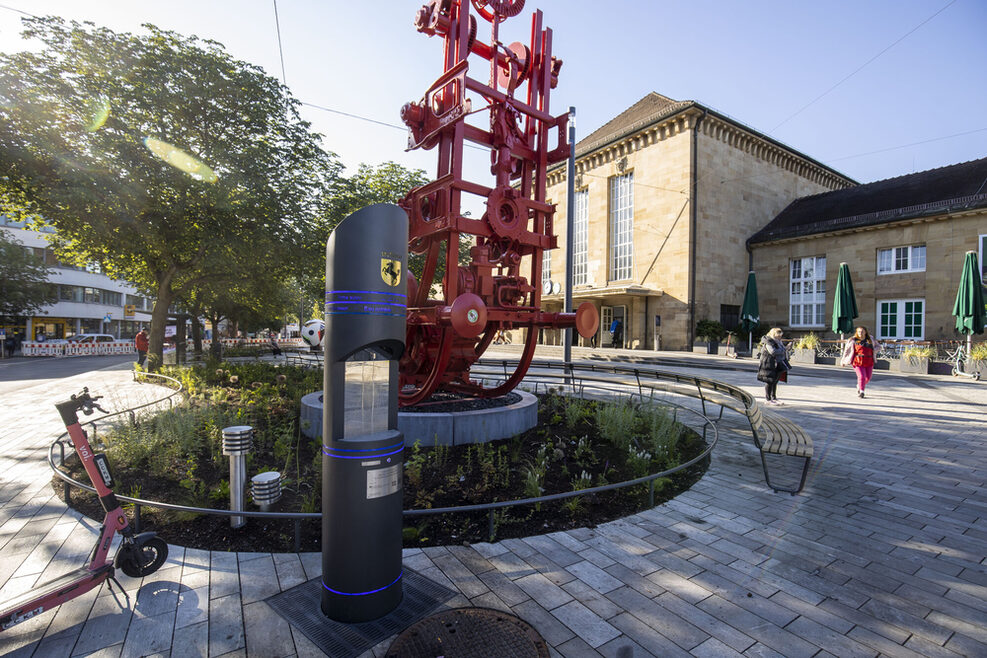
373,591
326,449
366,302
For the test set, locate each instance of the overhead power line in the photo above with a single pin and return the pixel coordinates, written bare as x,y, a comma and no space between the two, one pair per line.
903,146
277,25
862,66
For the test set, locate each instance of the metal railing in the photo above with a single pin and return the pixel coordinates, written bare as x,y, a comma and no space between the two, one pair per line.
584,380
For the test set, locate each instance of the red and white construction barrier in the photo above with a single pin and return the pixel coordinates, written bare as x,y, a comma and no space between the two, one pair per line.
127,346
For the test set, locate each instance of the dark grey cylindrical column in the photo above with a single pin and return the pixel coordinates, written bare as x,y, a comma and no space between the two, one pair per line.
363,452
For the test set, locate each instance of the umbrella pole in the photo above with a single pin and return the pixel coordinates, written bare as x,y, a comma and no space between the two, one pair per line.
750,338
969,346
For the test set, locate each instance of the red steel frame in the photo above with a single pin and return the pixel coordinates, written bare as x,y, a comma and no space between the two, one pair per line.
446,336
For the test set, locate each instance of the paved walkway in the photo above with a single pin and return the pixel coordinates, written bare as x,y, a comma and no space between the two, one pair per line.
882,554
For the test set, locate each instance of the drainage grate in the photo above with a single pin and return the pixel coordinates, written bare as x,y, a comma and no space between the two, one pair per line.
469,633
300,606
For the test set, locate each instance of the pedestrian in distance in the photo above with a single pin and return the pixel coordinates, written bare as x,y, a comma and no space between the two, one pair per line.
617,334
859,352
773,366
273,339
141,344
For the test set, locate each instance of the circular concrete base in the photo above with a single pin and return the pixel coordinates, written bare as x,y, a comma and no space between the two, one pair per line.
440,428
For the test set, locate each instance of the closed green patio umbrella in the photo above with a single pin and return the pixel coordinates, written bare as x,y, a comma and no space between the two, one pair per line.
845,303
969,306
750,316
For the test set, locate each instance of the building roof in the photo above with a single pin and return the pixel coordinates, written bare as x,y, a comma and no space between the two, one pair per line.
934,192
655,108
646,111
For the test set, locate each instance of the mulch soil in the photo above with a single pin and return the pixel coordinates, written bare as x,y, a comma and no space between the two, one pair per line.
459,475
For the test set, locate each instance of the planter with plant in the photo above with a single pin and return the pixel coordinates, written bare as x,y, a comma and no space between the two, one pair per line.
806,348
710,332
916,360
978,359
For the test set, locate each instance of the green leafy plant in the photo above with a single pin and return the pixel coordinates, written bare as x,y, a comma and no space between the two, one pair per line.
919,352
710,331
616,422
979,351
809,341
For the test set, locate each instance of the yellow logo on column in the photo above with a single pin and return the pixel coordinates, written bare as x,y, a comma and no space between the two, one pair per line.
390,271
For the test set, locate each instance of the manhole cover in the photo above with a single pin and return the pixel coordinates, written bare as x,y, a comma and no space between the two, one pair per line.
468,632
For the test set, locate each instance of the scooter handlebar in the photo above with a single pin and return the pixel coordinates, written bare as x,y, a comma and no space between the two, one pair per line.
87,403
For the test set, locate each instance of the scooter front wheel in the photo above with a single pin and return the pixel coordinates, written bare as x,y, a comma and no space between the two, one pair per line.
143,560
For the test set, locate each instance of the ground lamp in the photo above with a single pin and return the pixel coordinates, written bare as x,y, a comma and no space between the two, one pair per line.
366,283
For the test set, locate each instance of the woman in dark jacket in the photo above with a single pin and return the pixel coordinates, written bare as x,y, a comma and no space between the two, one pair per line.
774,364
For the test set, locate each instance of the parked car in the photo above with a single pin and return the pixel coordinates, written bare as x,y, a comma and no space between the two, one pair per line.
91,338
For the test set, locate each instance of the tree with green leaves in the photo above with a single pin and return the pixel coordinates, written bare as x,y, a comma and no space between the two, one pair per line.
386,183
157,155
24,286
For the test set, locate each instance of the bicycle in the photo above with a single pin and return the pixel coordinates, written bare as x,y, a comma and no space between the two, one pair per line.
959,358
138,555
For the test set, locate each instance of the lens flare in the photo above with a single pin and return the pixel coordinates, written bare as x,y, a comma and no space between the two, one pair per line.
97,111
179,159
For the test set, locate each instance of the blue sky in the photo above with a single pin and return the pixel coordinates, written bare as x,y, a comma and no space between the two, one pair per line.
874,89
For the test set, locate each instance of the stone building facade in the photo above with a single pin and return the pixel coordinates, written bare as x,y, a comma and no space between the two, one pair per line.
667,195
904,239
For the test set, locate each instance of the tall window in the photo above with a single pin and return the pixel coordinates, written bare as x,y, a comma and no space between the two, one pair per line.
982,242
546,267
580,238
807,298
901,319
901,259
621,226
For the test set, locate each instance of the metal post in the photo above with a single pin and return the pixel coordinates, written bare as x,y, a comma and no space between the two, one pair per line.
237,441
570,215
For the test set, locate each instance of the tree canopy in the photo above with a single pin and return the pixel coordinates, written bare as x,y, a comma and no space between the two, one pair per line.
159,156
23,279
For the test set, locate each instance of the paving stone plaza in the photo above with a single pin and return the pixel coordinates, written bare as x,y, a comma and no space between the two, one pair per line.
882,554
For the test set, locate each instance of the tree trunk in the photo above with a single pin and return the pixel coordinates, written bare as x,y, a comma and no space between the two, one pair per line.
196,332
180,338
216,347
159,318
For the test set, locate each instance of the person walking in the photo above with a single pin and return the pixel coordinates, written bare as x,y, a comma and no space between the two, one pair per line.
859,352
141,344
773,366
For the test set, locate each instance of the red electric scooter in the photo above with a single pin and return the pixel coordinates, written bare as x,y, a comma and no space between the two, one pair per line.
138,555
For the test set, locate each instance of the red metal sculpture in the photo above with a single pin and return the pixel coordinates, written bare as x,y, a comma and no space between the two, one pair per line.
446,336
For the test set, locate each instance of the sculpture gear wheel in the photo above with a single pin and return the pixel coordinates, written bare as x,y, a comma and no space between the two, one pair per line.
501,8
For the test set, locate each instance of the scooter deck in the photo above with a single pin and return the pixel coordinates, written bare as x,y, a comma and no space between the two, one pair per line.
52,593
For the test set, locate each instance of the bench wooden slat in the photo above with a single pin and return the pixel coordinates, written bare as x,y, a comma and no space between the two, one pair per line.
780,436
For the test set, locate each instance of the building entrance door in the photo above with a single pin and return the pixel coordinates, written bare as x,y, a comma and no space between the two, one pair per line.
613,326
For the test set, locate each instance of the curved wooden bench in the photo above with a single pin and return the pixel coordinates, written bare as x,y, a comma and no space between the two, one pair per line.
773,434
777,435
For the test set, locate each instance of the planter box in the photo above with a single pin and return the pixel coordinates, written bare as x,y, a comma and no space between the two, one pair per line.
713,347
979,366
913,365
803,356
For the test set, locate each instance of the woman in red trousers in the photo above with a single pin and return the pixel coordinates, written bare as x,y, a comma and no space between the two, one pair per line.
859,352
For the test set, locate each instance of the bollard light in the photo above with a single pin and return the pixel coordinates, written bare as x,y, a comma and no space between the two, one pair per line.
237,442
265,489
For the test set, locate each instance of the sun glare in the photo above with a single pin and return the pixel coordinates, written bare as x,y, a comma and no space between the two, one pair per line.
179,159
97,113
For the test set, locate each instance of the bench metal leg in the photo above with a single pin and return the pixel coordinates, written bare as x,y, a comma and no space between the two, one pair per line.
805,473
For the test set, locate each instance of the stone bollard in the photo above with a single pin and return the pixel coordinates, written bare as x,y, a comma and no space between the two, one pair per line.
265,489
237,441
